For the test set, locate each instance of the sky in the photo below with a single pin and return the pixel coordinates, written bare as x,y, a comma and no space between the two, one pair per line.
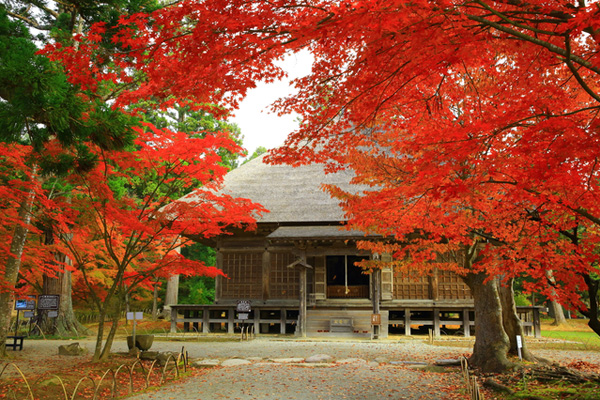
258,125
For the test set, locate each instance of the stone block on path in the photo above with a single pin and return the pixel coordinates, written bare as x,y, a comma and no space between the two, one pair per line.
233,362
73,349
209,362
289,360
319,358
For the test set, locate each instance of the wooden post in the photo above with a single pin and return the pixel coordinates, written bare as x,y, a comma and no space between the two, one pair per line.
282,321
537,328
205,320
436,322
302,311
256,311
466,322
230,318
407,321
376,299
266,274
173,320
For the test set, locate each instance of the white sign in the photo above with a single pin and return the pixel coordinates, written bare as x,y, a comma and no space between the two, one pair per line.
135,315
519,342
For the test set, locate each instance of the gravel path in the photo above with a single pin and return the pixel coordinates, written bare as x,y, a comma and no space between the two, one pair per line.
364,369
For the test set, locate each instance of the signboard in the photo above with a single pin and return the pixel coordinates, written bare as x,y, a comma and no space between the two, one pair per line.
243,306
375,319
48,302
52,314
243,315
135,315
25,304
28,314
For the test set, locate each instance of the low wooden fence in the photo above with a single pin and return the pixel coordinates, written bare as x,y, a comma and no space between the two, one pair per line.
108,380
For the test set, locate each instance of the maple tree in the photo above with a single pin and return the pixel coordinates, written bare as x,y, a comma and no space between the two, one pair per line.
122,224
476,120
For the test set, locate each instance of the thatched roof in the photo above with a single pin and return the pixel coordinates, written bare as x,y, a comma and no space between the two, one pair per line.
316,232
292,195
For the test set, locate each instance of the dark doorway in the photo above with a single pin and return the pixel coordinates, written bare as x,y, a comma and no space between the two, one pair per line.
344,279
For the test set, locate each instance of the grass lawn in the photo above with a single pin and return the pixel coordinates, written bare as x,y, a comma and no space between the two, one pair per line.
576,335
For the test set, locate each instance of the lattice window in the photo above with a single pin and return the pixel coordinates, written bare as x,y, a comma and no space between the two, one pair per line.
411,285
244,271
283,280
451,286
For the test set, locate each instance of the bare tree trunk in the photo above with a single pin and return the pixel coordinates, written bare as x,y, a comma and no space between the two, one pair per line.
11,271
171,297
155,301
593,309
558,313
491,342
555,308
66,322
513,325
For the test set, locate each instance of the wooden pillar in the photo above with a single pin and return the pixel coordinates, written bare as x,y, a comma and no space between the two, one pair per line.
282,321
256,321
302,310
376,299
230,319
537,328
436,322
466,322
186,322
434,285
205,320
266,274
219,279
407,321
173,320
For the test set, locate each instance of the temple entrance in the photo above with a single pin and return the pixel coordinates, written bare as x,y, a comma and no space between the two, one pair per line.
346,280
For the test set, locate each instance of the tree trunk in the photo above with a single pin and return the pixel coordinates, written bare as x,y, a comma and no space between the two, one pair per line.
155,302
11,271
65,324
555,308
513,325
592,311
491,342
171,297
557,311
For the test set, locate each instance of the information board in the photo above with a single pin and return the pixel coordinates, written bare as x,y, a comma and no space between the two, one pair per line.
243,306
48,301
25,304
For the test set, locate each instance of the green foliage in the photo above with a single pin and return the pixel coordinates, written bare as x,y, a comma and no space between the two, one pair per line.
198,289
38,104
260,150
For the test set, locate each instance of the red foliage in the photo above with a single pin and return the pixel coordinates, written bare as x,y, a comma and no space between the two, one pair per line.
470,121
